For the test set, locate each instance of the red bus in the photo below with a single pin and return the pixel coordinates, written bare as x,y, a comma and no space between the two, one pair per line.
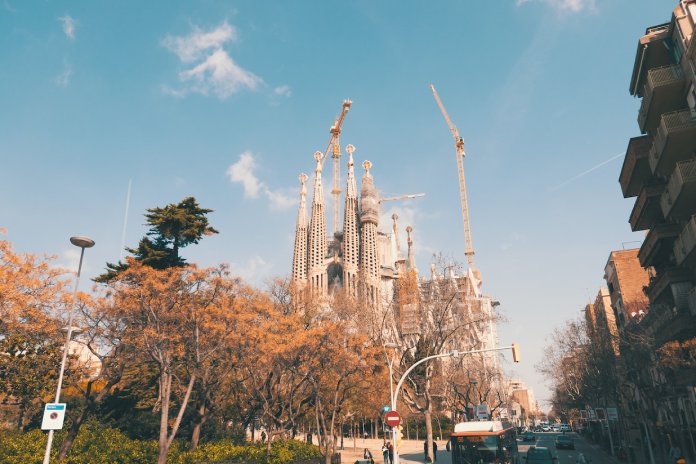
484,442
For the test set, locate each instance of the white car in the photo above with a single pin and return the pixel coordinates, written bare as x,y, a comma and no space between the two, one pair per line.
545,428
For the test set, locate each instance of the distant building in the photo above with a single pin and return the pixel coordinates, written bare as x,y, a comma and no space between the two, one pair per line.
626,279
524,396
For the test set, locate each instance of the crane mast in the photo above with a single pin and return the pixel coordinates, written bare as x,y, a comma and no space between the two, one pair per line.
459,148
335,147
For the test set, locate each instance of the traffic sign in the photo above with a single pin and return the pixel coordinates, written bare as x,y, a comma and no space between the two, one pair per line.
54,414
392,418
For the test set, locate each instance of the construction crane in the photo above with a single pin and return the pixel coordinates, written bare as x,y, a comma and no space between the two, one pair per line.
401,197
335,147
459,148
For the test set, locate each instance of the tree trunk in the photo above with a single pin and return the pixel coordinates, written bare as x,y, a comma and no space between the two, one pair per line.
72,434
20,417
165,386
429,432
196,434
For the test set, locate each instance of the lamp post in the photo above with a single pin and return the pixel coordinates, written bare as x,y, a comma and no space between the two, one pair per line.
82,242
390,362
454,354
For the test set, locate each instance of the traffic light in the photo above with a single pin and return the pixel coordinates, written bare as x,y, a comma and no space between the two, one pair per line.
386,409
515,352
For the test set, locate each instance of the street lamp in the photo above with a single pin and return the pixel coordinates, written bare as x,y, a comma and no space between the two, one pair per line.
390,362
82,242
454,354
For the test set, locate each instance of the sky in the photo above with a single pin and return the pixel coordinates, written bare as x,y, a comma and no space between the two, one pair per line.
227,101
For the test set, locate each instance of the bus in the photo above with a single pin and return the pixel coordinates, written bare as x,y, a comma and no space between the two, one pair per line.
484,442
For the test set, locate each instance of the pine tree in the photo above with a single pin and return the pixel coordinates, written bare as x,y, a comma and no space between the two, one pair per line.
171,228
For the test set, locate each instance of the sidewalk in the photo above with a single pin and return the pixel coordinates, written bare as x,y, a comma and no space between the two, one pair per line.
410,451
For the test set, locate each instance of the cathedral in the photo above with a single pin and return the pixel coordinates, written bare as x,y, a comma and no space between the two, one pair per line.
367,263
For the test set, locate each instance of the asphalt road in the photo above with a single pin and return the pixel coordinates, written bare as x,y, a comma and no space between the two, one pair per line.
565,456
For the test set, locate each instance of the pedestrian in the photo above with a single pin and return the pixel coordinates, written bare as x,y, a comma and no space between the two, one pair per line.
434,451
385,453
425,451
368,456
263,436
448,447
674,452
391,452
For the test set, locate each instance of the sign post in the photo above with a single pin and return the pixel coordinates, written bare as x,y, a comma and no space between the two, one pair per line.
53,417
393,419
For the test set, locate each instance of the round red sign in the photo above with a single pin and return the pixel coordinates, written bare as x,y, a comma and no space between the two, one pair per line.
392,418
53,415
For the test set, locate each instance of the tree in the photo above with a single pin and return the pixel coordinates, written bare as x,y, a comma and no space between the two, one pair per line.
173,227
450,316
32,294
180,318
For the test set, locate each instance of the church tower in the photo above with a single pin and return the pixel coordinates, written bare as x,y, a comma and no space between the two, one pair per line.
369,218
317,236
351,232
299,257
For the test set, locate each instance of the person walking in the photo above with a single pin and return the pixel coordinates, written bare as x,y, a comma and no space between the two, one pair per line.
434,451
391,452
368,456
385,453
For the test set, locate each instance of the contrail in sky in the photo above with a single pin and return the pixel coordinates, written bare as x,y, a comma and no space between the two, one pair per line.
593,168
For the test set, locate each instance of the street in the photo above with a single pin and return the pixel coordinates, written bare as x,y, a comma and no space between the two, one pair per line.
412,450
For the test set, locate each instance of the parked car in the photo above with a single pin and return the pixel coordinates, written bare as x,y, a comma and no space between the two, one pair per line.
555,428
528,436
545,428
565,428
564,442
540,455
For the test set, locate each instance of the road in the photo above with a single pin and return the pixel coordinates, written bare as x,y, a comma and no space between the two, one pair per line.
412,451
566,456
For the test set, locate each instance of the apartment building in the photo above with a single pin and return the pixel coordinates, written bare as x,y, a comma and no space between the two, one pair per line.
659,171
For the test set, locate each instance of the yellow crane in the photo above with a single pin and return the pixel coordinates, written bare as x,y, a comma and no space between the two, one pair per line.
335,148
459,148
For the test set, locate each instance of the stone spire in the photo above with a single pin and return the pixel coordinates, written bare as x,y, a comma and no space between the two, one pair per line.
369,219
299,257
351,230
411,257
317,236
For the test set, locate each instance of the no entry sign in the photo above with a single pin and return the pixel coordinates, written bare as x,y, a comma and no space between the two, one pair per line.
392,418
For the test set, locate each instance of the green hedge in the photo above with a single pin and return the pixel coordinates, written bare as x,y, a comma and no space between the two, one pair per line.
103,445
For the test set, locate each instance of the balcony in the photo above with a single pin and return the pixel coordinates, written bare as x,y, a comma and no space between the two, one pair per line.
636,168
646,212
685,245
675,140
664,93
669,279
658,244
651,53
678,201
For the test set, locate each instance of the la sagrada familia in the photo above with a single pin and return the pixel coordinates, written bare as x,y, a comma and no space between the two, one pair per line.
368,264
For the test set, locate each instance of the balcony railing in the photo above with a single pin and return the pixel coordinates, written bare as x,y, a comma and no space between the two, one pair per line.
685,244
636,167
675,140
678,201
663,93
664,281
646,211
657,244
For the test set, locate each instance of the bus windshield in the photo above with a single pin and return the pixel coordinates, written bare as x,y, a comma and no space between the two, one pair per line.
476,449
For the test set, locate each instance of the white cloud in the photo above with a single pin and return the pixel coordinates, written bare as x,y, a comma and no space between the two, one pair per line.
242,172
255,270
219,74
574,6
283,91
70,260
63,79
69,24
192,47
214,70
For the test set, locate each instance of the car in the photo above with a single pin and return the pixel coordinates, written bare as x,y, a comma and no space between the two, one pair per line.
564,442
528,436
555,428
545,428
565,428
540,455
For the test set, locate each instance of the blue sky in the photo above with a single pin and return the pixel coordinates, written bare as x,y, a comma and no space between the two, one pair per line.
227,101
